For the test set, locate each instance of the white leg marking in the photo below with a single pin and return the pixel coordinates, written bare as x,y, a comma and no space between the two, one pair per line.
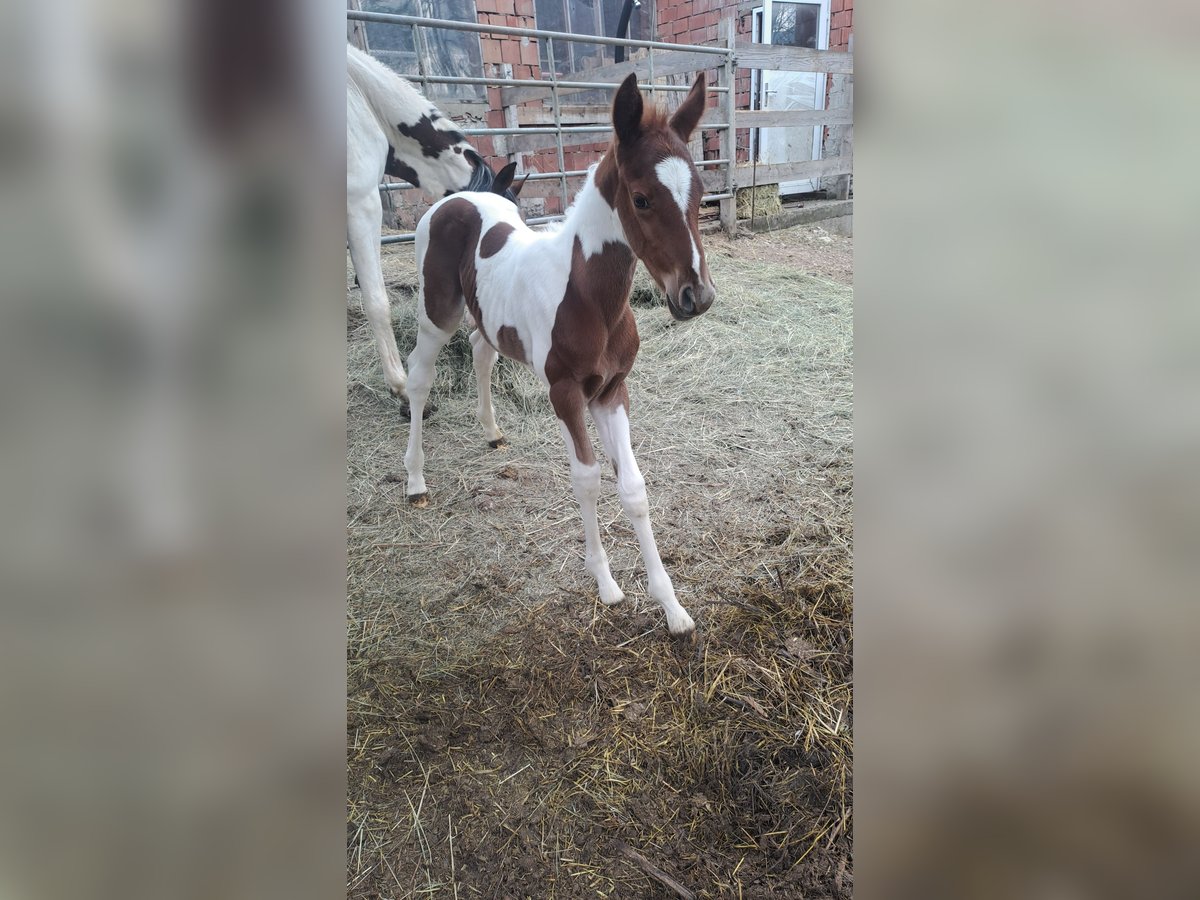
363,228
430,340
613,427
676,176
585,480
484,356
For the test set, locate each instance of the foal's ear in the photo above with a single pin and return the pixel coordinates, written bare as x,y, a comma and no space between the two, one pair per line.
627,110
504,178
687,116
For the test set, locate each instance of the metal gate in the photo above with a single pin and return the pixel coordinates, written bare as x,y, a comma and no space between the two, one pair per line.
724,58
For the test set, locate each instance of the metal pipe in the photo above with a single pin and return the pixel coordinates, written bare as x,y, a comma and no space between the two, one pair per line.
565,85
558,128
393,19
547,176
566,129
409,236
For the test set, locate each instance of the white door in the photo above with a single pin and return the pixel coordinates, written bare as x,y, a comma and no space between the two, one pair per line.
788,23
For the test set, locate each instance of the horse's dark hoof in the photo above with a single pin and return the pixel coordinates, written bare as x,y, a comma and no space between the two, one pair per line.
420,501
406,411
498,444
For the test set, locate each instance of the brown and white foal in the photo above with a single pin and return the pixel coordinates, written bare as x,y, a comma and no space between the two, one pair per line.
558,301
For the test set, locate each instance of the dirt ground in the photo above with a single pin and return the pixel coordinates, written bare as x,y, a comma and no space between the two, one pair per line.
508,736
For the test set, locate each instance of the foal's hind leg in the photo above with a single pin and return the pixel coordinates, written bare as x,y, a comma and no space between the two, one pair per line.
484,355
430,340
363,224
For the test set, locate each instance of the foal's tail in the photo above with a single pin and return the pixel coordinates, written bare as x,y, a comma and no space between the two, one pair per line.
427,149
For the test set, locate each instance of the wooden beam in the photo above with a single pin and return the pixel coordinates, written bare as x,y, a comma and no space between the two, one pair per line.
666,62
769,118
571,115
793,59
745,176
528,143
803,215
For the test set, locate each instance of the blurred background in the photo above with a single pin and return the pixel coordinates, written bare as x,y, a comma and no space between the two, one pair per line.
172,242
1027,436
172,450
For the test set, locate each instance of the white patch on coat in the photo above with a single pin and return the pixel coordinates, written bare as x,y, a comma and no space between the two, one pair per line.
676,176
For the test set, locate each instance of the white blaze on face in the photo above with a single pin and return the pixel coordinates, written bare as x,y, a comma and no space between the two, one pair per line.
676,176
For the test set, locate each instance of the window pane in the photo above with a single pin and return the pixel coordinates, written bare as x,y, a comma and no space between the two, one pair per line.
795,24
442,52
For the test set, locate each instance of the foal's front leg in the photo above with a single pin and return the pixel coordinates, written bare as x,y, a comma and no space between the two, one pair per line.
568,401
612,424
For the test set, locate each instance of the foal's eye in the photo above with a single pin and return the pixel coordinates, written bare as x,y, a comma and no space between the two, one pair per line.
640,202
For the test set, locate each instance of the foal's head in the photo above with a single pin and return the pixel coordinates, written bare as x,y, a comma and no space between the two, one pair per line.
656,192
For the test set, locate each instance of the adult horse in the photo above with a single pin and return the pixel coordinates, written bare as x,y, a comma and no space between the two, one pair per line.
391,129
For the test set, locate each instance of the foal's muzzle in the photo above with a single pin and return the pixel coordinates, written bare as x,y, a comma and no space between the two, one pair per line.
691,302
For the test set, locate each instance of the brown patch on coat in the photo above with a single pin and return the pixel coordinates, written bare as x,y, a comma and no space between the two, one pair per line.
510,344
495,239
449,265
594,340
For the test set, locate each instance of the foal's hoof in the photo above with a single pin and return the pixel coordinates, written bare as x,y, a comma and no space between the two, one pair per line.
681,627
499,443
420,501
406,410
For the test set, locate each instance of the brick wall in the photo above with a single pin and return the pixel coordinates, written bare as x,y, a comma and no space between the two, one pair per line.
841,23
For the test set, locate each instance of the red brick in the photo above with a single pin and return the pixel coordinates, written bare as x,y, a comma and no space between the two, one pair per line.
485,6
836,6
510,51
490,48
840,20
525,7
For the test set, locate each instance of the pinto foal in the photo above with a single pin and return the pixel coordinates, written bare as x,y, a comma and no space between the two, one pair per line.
558,301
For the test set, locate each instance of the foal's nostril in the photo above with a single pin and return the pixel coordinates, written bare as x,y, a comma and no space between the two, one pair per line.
687,300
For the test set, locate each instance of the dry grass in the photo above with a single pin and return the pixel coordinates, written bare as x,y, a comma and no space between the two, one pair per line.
509,736
763,200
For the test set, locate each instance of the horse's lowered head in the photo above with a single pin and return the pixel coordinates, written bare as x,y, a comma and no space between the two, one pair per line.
656,192
485,180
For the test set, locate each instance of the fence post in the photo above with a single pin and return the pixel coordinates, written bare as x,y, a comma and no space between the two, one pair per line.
726,36
841,137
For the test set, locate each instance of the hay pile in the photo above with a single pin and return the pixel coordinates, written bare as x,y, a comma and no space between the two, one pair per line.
759,201
510,737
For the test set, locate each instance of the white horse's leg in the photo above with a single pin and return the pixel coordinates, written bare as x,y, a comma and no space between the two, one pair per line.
585,480
430,340
612,424
484,356
364,218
